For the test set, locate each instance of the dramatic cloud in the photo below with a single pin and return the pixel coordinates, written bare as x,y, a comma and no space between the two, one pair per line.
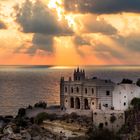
2,25
130,42
116,48
104,50
99,48
40,42
103,6
43,42
37,18
94,25
83,31
79,41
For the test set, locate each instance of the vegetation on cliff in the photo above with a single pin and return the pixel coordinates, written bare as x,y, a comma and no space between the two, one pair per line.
102,134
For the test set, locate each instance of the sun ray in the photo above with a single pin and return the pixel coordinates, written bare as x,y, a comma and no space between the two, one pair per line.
57,5
70,20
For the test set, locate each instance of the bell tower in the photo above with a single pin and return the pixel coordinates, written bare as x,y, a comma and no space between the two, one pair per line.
62,93
79,74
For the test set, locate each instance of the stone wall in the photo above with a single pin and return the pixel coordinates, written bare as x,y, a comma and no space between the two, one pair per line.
87,113
110,119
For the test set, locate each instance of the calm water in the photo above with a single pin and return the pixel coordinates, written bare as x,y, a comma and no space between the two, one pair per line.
21,86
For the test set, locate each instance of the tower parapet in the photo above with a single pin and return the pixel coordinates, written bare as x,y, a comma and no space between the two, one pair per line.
79,74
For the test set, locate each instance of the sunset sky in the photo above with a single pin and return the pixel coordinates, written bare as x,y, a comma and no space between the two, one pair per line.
69,32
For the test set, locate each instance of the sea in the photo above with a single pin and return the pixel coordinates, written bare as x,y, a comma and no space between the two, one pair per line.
21,86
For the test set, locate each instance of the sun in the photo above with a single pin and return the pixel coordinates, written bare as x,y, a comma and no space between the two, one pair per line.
58,6
70,20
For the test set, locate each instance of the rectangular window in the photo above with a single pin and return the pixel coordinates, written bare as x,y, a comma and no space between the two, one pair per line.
77,89
86,90
92,90
107,92
65,89
72,90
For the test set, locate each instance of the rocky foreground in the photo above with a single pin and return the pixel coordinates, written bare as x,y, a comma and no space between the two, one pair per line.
41,123
23,129
55,127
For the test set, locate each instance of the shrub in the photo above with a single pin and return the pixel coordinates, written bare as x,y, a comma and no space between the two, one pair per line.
41,117
29,107
136,103
44,116
21,121
138,82
41,105
127,81
21,112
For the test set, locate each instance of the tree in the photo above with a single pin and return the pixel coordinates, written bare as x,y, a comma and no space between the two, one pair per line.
21,112
127,81
41,117
138,82
41,105
44,116
136,103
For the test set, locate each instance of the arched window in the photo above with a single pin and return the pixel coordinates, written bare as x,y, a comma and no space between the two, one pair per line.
124,103
77,103
86,90
72,90
107,93
92,90
77,89
72,102
100,107
86,105
66,89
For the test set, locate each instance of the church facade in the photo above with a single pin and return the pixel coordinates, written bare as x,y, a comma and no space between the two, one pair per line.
98,98
80,93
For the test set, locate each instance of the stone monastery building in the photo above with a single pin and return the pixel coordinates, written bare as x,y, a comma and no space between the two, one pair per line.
82,94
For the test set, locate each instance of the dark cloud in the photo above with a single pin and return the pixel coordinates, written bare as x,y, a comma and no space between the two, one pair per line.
43,42
102,6
2,25
133,42
99,26
100,49
37,18
130,42
128,49
80,42
40,42
108,50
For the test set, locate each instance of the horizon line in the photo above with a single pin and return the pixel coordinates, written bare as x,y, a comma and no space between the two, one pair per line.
66,65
